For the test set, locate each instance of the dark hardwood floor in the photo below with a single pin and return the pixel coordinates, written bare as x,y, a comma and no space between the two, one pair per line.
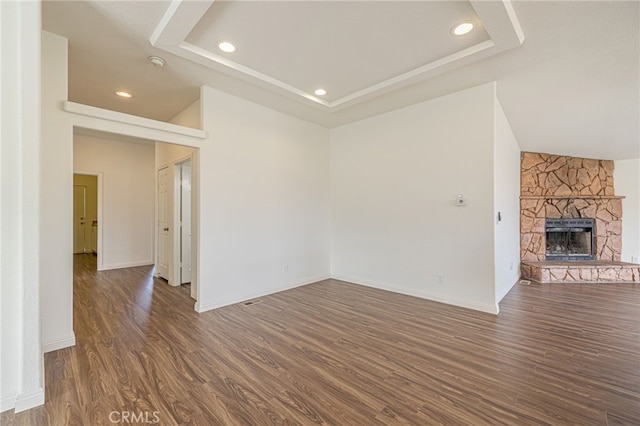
341,354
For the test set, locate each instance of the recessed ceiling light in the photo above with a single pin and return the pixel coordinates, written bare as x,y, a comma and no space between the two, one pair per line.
124,94
320,92
462,28
226,47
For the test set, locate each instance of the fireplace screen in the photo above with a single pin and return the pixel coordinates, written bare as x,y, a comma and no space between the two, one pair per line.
569,239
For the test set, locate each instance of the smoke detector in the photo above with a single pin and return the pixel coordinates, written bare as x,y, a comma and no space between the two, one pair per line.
157,61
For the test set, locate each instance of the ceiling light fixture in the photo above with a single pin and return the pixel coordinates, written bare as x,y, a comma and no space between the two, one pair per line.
462,28
226,47
320,92
157,61
124,94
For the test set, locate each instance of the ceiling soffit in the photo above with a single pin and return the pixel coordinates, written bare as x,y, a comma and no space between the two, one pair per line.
498,21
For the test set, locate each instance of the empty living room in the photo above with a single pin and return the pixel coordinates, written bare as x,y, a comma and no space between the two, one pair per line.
320,212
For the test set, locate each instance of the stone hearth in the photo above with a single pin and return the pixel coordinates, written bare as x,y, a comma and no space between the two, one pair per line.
558,187
596,271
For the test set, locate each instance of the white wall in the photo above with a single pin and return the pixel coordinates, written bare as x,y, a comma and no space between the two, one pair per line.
626,180
21,360
507,205
394,181
56,261
189,117
264,201
128,173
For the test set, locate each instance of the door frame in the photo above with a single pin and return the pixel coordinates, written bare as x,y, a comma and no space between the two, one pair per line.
177,213
174,212
99,195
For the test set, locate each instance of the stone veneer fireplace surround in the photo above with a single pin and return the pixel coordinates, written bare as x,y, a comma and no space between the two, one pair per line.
561,187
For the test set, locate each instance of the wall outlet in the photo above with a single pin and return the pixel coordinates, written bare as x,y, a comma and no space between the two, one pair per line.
511,266
440,279
634,259
285,268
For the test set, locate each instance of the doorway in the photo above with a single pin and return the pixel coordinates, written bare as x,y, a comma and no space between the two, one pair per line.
174,223
85,213
176,215
132,235
79,219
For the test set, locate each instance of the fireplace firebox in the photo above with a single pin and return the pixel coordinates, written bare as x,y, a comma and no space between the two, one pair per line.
569,239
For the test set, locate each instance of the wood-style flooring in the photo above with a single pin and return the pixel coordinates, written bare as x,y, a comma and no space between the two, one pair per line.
340,354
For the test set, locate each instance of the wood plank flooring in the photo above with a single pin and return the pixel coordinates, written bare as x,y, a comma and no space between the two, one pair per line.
340,354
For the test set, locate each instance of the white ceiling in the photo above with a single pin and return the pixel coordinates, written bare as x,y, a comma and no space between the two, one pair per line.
319,53
572,87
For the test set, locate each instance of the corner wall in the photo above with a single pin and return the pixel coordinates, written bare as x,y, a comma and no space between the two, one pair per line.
394,182
189,117
264,201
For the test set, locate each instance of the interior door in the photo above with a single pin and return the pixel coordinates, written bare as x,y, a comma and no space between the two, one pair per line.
185,222
79,218
162,266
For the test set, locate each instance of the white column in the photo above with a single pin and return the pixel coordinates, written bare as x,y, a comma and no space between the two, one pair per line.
22,366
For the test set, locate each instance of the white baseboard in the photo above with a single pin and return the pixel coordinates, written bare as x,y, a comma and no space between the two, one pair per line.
107,267
203,306
469,304
26,401
504,291
54,345
7,403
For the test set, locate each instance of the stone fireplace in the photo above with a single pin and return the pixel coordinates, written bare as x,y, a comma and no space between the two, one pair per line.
571,220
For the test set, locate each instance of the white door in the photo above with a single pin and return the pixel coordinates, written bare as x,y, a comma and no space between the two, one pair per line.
162,266
79,218
185,222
